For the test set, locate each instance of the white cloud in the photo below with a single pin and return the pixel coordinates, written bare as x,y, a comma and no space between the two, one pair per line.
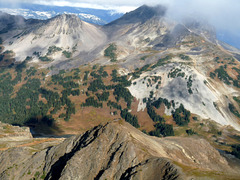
223,14
115,7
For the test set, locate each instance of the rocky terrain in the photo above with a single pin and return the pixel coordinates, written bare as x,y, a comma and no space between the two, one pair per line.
15,136
67,32
116,150
8,131
64,76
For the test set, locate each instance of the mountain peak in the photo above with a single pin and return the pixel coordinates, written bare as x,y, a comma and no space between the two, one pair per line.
141,14
66,18
64,23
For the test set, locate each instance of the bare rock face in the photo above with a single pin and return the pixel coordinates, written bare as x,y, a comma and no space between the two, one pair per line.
114,151
106,152
9,132
155,168
64,31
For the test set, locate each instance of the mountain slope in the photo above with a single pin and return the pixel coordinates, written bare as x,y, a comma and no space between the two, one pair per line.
117,151
142,38
192,48
67,32
164,77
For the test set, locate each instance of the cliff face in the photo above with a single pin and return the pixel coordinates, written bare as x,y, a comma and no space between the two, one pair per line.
114,151
9,132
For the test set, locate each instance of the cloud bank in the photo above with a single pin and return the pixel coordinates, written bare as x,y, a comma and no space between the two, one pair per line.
223,14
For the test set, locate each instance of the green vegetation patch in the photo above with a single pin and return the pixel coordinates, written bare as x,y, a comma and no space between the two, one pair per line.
103,97
190,132
181,116
115,105
96,84
233,109
162,61
212,75
138,71
35,53
143,58
8,52
1,57
45,58
237,99
67,54
223,75
120,79
184,57
86,74
52,50
33,103
122,92
153,115
111,52
31,71
91,101
37,174
160,100
176,73
236,82
162,130
132,119
99,73
189,85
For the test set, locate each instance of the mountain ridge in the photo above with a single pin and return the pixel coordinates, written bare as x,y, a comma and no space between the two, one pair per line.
113,144
141,14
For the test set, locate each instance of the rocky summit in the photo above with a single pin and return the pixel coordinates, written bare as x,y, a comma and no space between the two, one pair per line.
117,150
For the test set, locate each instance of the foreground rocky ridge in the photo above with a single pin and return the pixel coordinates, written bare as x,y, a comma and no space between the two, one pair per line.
116,150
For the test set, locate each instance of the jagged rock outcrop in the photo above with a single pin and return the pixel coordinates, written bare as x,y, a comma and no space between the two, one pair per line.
114,151
9,132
